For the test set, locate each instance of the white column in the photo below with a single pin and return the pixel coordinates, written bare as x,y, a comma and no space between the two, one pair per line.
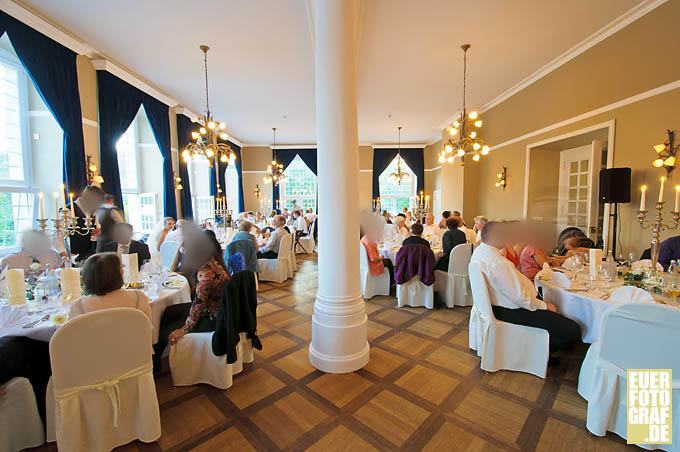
339,321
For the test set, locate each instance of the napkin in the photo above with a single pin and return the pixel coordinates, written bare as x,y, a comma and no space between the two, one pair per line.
10,316
570,263
630,294
546,273
131,268
556,278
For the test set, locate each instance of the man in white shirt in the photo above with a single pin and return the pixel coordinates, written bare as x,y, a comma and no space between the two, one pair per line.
469,233
271,249
513,296
430,229
300,223
310,216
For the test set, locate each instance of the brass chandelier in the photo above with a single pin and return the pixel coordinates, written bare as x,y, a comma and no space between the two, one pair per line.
399,175
464,140
275,169
206,142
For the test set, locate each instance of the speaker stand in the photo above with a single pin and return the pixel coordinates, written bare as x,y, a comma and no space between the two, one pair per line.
615,216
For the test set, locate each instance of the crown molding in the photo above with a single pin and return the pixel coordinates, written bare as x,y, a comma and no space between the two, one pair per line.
600,35
293,146
396,145
42,25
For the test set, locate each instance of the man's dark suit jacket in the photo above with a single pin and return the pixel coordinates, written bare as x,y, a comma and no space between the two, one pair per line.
136,247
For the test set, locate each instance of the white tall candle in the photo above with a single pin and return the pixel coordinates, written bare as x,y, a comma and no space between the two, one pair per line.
16,286
643,198
663,181
63,196
56,205
41,207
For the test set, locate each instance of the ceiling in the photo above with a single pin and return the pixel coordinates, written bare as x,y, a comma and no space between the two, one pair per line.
261,58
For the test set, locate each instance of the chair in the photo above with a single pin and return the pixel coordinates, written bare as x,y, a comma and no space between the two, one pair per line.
454,285
277,269
168,252
415,294
192,361
503,345
372,285
633,336
307,242
102,392
292,260
20,424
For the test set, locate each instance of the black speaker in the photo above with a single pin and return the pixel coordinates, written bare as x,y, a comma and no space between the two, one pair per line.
615,185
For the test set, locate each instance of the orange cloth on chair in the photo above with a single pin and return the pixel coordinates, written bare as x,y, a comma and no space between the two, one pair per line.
375,263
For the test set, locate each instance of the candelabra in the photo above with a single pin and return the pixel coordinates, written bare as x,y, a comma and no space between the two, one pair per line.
657,226
223,212
422,207
377,205
65,226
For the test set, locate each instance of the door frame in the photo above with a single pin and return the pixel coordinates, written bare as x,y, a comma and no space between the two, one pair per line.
563,193
611,133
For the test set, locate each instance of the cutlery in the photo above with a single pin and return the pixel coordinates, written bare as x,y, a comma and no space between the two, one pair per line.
34,323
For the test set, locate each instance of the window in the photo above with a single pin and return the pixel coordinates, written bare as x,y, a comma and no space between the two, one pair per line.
141,208
203,208
394,196
199,181
231,188
299,186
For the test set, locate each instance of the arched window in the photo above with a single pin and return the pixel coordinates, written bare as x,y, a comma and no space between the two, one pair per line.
199,181
231,183
395,196
299,186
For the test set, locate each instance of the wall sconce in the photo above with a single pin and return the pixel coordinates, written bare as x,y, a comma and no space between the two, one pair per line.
178,182
93,177
257,191
666,154
502,178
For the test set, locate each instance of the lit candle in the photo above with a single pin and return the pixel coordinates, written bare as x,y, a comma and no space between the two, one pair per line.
427,201
643,198
677,198
63,196
663,181
41,207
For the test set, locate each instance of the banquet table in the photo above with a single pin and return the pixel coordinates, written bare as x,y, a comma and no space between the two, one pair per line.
583,306
171,293
389,251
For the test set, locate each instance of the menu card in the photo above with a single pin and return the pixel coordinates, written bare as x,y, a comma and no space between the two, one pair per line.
131,272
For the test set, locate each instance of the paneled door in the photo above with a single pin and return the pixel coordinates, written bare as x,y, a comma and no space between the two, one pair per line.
579,186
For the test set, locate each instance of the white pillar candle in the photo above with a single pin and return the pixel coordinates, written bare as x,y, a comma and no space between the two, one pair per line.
41,206
643,198
595,259
16,286
70,284
663,181
63,196
677,199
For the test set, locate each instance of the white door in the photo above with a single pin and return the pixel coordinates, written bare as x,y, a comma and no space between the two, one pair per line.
579,187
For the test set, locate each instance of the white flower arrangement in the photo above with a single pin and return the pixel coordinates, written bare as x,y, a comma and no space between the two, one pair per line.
58,318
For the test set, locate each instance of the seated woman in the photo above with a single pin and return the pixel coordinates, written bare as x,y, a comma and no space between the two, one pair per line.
36,247
102,281
204,267
376,263
245,243
514,242
451,238
533,256
565,235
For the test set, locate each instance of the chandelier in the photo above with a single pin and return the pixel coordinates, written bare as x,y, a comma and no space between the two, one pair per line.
275,169
205,142
464,139
399,174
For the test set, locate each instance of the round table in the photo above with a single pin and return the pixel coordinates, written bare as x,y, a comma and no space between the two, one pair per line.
44,330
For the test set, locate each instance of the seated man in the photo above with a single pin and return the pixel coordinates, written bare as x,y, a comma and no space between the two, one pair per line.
480,222
300,223
513,297
416,236
669,250
36,247
429,228
271,249
123,244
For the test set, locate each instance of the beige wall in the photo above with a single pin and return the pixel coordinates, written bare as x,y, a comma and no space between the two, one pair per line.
255,161
615,69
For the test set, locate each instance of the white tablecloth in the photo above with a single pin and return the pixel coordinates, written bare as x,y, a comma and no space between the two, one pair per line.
390,252
45,329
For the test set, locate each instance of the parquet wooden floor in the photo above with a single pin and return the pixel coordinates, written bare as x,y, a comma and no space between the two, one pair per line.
422,390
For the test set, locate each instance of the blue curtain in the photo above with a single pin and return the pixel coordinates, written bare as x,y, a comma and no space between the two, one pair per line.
52,68
119,103
184,129
383,157
159,118
285,157
239,170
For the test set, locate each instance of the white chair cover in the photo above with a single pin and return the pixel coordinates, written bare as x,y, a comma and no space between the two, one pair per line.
454,286
415,294
277,269
102,392
307,243
630,294
292,261
503,345
644,263
192,361
20,424
168,251
372,285
634,336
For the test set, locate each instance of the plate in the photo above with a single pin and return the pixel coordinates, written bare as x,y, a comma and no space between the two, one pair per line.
173,284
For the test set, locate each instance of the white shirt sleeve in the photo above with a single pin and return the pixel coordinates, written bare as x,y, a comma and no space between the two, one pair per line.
510,284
